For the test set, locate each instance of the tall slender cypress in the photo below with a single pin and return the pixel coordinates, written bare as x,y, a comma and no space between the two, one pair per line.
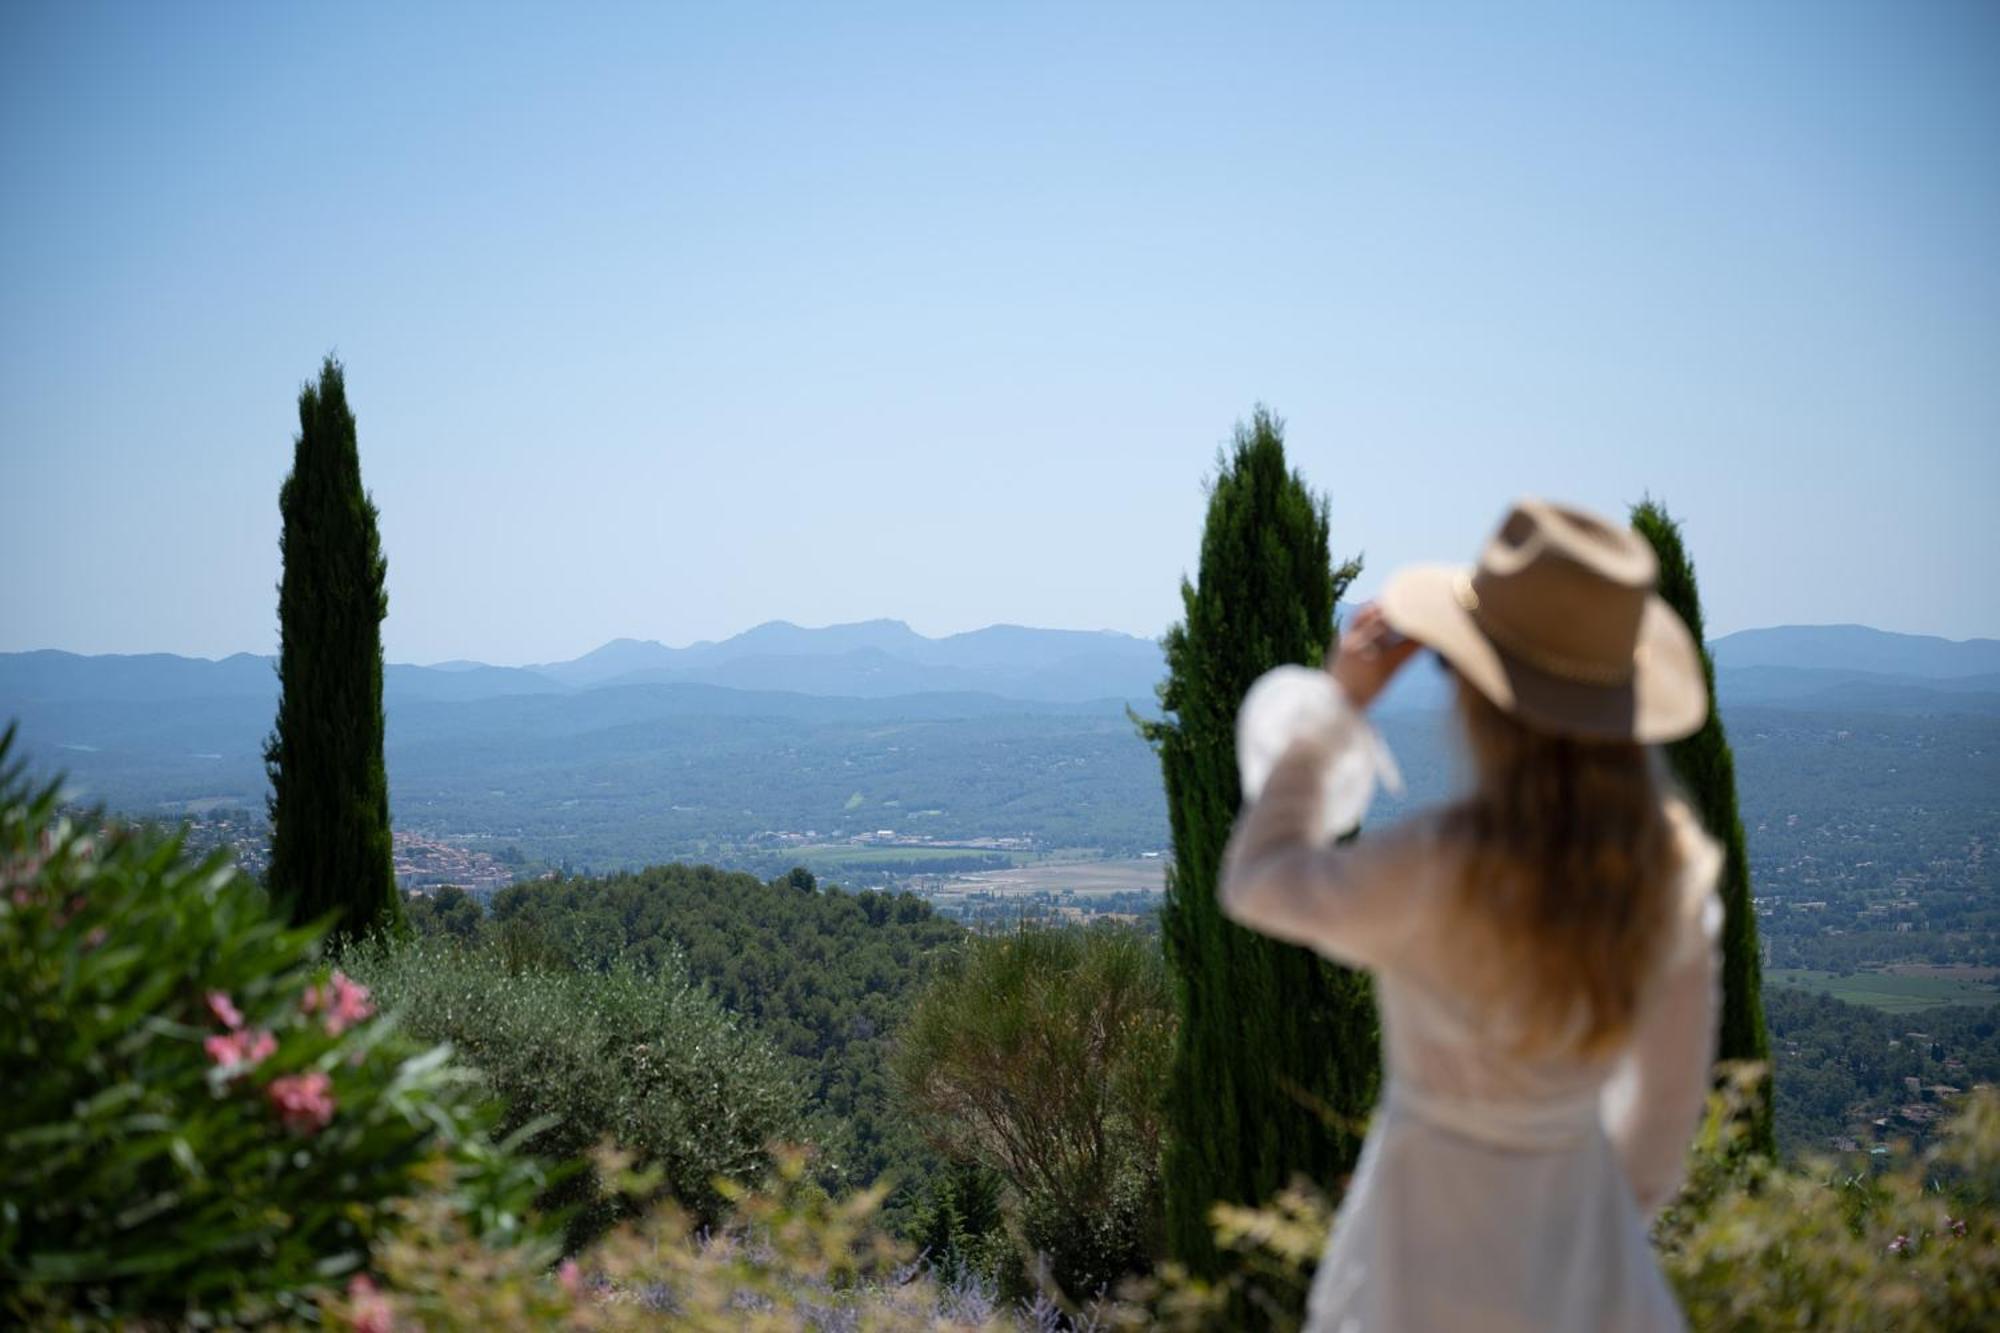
331,852
1706,769
1275,1063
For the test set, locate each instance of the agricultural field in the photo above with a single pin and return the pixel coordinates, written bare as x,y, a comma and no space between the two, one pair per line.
1897,989
1131,875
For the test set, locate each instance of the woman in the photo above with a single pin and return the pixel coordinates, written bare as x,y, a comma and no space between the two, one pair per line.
1543,947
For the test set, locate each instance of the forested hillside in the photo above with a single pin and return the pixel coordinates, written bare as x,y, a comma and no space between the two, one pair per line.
1841,1067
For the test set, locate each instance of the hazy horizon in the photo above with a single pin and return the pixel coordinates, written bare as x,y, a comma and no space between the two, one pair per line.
663,323
691,643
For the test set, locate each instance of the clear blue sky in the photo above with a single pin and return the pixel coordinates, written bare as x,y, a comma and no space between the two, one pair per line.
664,321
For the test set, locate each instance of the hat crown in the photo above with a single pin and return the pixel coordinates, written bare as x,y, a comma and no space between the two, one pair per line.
1564,591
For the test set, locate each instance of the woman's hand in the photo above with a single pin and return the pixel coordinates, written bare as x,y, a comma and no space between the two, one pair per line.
1369,653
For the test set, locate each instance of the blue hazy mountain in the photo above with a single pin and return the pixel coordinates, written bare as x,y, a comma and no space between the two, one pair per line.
881,658
1833,666
48,676
1857,648
1821,667
648,752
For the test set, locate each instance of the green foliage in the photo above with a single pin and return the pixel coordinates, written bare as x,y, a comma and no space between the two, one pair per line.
642,1057
1274,1249
448,913
1042,1055
786,1257
1272,1037
198,1122
1841,1066
958,1229
331,852
825,976
1706,769
1752,1248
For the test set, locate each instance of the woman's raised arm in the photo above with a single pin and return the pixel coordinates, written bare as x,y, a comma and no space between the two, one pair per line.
1281,876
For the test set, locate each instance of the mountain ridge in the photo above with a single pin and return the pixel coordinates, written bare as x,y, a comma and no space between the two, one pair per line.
1852,665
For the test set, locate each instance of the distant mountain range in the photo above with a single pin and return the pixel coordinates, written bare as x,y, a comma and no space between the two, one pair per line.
1842,667
1860,649
879,658
869,660
639,752
1845,666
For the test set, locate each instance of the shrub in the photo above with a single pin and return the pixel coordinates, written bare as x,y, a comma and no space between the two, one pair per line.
1042,1055
1273,1251
785,1257
1914,1245
198,1120
647,1060
826,976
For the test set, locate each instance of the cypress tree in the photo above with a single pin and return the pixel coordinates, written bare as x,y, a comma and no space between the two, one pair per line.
331,853
1706,769
1275,1061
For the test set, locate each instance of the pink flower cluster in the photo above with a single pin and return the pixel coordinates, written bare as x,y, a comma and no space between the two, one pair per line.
344,1001
225,1010
239,1048
304,1102
368,1308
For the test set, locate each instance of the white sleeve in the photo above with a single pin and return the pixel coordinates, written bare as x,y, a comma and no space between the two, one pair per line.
1292,703
1298,740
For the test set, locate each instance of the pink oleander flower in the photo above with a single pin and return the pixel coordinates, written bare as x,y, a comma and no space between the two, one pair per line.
19,872
344,1000
304,1102
569,1277
1900,1244
369,1309
226,1013
244,1048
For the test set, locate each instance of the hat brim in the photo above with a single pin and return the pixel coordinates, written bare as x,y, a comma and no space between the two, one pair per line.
1665,699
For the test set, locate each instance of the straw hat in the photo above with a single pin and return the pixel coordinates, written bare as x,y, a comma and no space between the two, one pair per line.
1558,625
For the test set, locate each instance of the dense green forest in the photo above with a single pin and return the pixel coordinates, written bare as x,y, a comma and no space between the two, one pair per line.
1841,1067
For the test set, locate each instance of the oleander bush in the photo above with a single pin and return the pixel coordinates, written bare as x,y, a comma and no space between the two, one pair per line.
199,1120
641,1057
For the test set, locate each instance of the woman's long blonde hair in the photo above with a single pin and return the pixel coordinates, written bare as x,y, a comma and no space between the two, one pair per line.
1571,874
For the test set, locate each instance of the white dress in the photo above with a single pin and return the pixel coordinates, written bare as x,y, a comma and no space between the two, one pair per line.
1494,1192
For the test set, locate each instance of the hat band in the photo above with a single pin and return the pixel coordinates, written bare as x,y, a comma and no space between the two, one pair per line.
1542,660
